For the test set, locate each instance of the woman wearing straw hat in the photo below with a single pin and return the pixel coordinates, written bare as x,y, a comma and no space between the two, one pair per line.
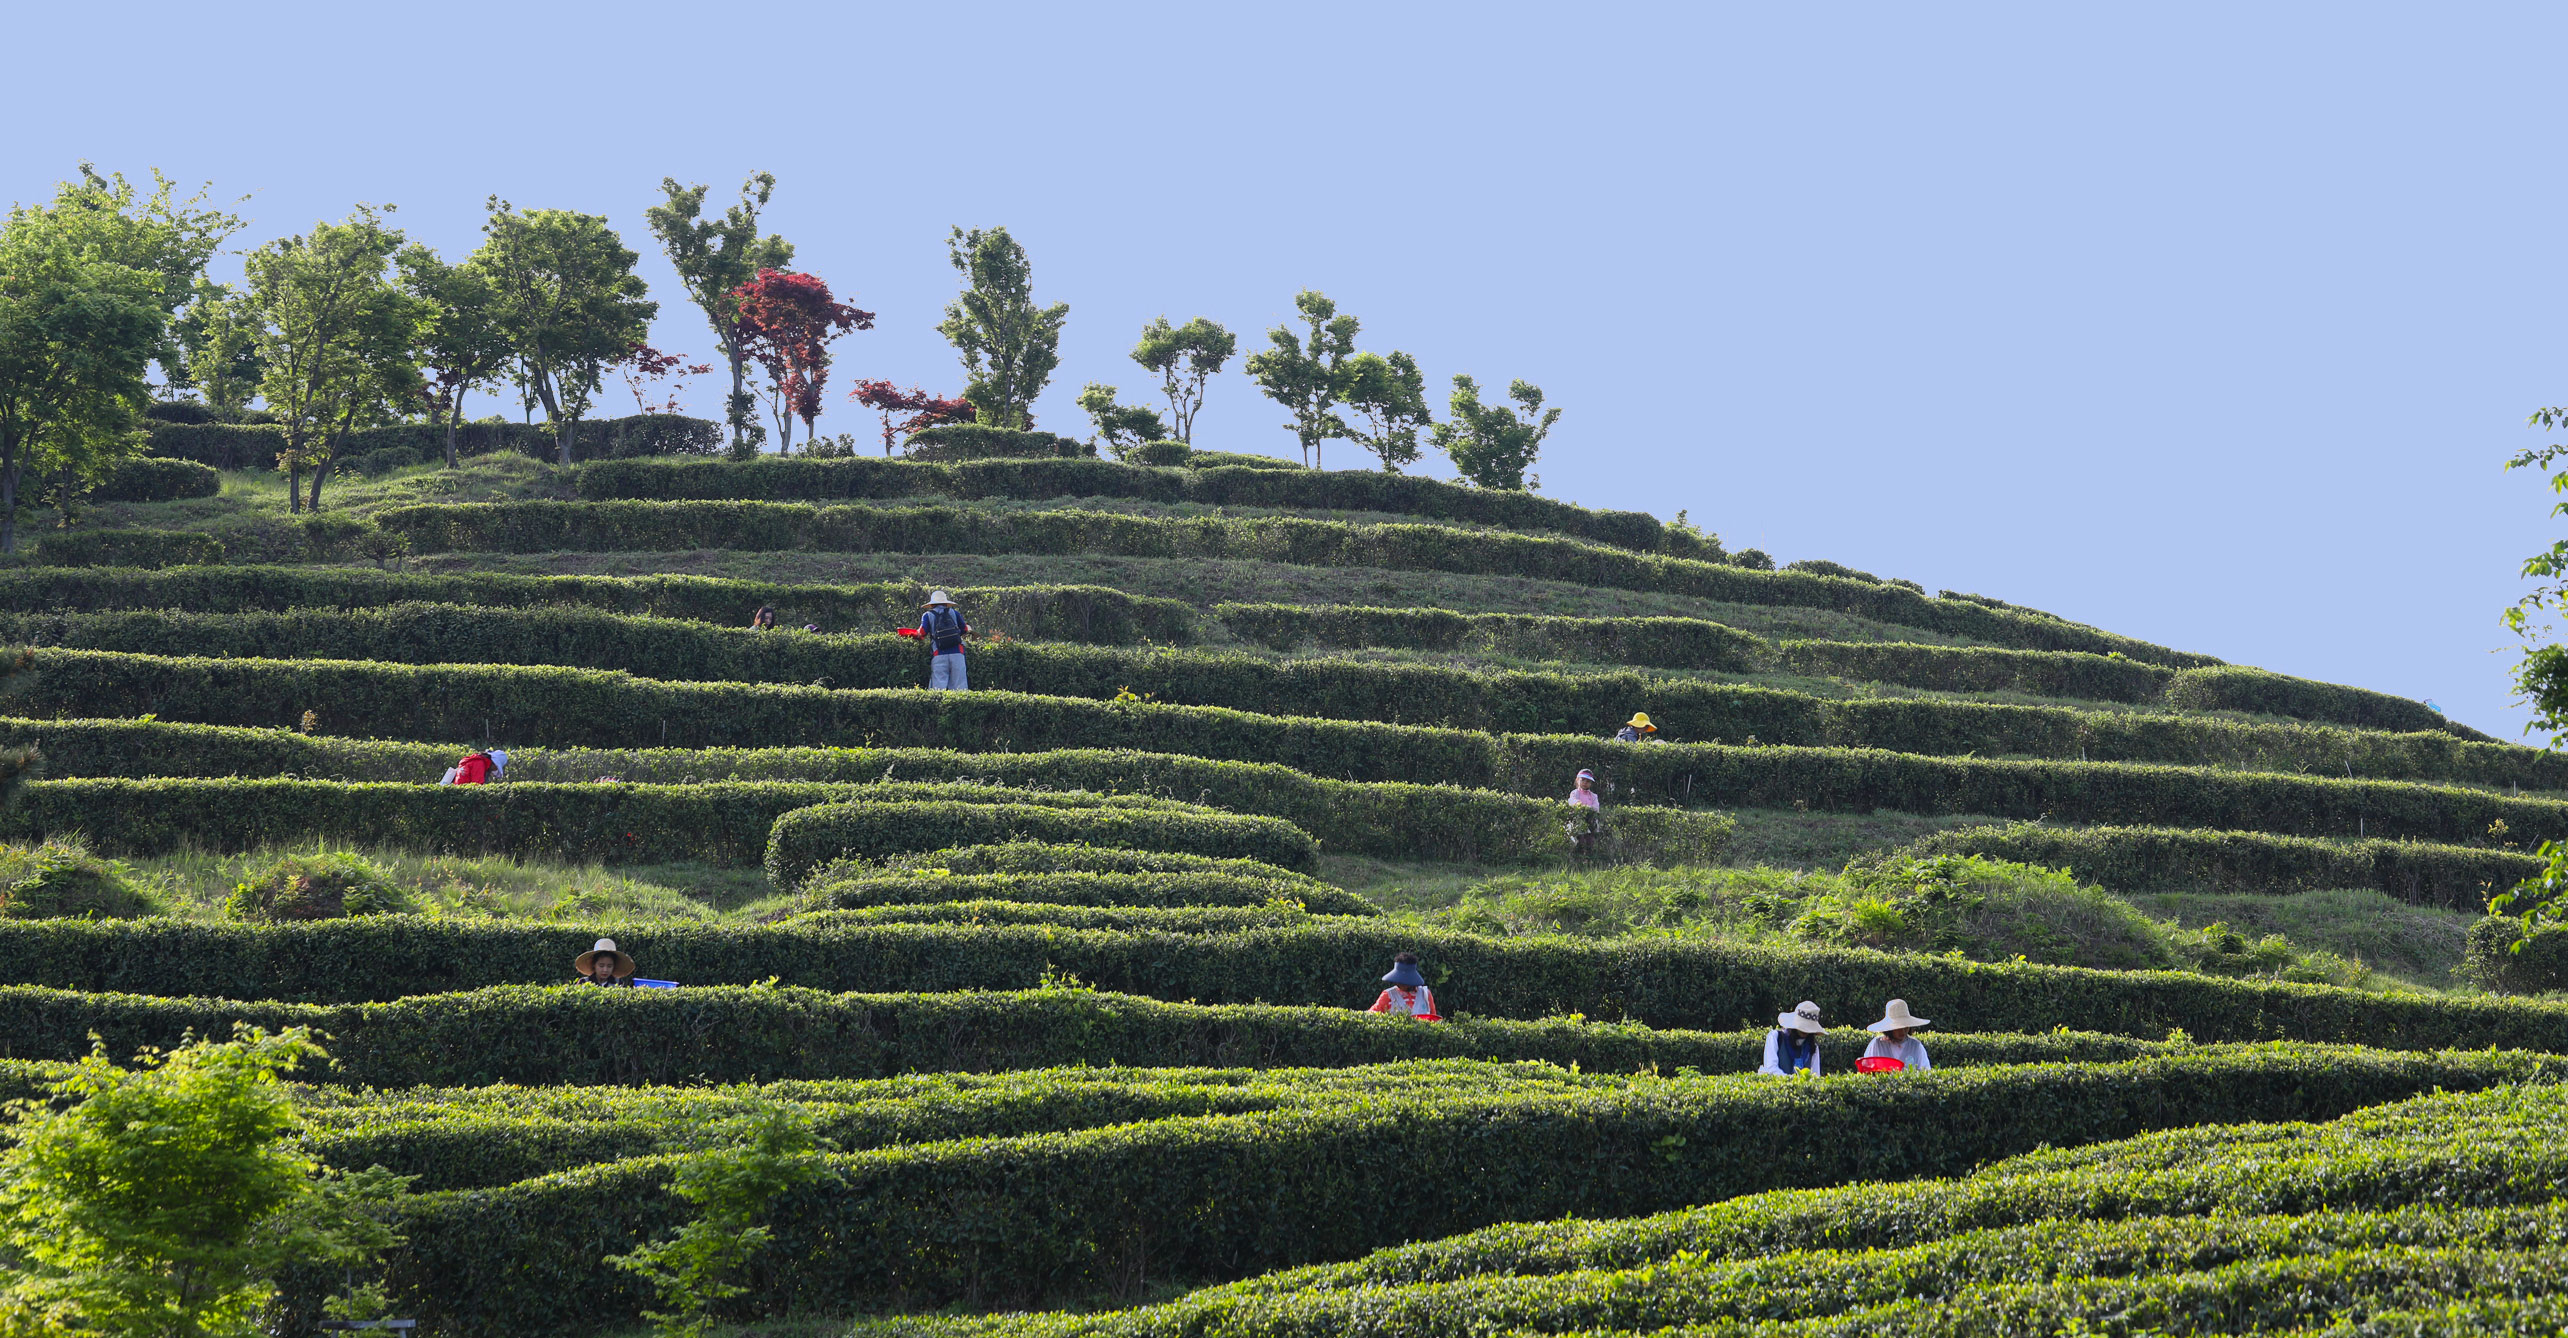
1408,995
604,964
1636,729
1891,1038
1793,1046
941,625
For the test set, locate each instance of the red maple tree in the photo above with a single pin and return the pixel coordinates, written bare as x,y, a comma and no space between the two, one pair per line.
924,410
785,325
644,364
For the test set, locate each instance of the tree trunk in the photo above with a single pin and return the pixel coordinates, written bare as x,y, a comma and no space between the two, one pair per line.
567,438
739,387
320,474
454,424
294,487
9,466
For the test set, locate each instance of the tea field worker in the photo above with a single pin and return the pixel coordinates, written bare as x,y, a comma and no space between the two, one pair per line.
1793,1046
498,763
764,620
475,769
1584,827
811,627
1408,995
1891,1038
604,964
1635,729
941,625
1583,791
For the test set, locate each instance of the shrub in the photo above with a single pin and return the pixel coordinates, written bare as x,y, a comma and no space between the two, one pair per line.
545,527
1823,567
1674,643
2237,688
1235,460
840,885
180,411
151,480
1058,1215
979,441
1978,669
127,548
1159,919
2539,966
217,445
62,880
1158,453
806,838
1035,857
326,885
2142,859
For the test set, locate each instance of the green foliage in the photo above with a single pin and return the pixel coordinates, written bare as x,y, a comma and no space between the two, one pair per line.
129,548
2505,955
713,257
1390,396
1008,344
1184,357
807,838
917,879
147,480
2236,688
730,1189
1306,372
950,442
1161,454
168,1199
335,335
569,303
1672,643
1120,427
460,337
62,880
2139,859
1492,446
552,527
323,885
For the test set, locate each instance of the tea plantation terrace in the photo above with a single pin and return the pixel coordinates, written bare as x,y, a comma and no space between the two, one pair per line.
1069,970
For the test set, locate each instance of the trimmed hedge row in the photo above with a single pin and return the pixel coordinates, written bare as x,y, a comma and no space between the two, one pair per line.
806,838
2145,859
1672,643
2492,957
1331,962
2049,673
127,548
575,1035
1016,1222
255,445
981,441
148,480
2238,688
1157,919
790,480
1030,857
570,706
550,527
1037,612
1390,819
716,823
1326,689
850,887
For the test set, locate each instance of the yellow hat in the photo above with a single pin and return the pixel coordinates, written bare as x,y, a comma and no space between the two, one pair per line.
1641,720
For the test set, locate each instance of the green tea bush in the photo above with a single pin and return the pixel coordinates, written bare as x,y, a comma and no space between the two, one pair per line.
1033,857
1040,613
1674,643
1331,962
2237,688
2143,859
1062,1213
2058,673
548,527
807,838
323,885
150,480
255,446
1158,919
60,879
979,441
2502,955
1158,453
843,885
127,548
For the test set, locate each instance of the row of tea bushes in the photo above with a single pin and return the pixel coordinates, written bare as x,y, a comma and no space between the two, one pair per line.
2148,859
847,886
1330,962
1033,612
572,706
1334,689
1389,818
581,1036
804,480
1224,1195
717,823
554,527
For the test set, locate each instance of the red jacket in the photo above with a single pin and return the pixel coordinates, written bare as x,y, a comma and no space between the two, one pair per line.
474,769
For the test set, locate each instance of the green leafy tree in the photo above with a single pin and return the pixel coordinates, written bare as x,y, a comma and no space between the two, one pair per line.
1009,345
714,257
461,343
731,1187
163,1200
1390,397
336,338
570,303
86,292
1492,446
1184,357
1120,426
152,231
1305,372
218,348
2541,677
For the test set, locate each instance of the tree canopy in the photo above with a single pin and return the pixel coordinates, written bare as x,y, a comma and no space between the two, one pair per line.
1008,344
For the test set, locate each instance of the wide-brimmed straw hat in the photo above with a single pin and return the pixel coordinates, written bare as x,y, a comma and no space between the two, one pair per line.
936,597
1896,1017
1803,1017
1640,720
1405,975
586,962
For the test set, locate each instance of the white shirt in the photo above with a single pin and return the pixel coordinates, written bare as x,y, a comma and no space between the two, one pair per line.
1911,1052
1774,1056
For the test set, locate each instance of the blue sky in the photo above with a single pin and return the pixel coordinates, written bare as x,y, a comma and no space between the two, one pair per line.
2208,324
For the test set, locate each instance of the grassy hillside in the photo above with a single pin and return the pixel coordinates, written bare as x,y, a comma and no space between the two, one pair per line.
1069,971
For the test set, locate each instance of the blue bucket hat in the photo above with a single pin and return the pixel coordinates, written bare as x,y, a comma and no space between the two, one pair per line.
1405,975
